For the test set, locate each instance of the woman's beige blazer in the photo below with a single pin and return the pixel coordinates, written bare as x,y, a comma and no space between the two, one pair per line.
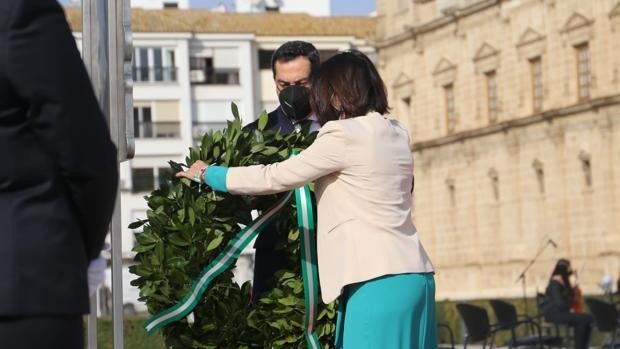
362,168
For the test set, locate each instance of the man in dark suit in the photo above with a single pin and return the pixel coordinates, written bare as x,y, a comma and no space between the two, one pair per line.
293,65
58,178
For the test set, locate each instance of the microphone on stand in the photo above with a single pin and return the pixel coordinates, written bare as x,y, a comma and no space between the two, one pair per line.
553,243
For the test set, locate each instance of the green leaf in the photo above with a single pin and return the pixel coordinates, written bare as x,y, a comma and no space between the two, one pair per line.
217,137
256,148
192,216
287,275
284,153
234,110
181,215
143,248
283,310
175,166
290,300
140,270
269,151
293,235
213,244
138,224
177,240
146,238
262,120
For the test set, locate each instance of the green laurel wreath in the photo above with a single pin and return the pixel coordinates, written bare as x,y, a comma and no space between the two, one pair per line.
186,229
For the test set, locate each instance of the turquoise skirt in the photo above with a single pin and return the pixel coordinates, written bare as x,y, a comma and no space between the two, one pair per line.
390,312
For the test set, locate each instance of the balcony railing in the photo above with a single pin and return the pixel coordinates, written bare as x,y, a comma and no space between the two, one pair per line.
214,76
154,74
151,129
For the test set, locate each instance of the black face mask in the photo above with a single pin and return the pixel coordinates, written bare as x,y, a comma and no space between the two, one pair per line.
295,102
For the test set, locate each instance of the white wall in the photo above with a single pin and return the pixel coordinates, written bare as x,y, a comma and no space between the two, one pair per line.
211,103
314,7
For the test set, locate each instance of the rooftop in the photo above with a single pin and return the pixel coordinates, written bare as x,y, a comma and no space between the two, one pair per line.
260,24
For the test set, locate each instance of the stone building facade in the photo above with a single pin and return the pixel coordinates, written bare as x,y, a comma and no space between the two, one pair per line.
513,108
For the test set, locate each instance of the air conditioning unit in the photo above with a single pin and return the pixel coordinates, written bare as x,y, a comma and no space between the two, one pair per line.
197,76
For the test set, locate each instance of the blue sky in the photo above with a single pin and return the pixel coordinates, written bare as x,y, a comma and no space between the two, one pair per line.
339,7
352,7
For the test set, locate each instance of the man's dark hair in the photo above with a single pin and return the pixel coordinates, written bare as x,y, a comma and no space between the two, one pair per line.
351,78
293,49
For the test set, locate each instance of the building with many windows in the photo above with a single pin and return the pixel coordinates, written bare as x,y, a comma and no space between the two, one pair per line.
188,66
513,108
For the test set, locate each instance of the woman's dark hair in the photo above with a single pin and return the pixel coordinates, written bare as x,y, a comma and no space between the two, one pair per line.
293,49
563,270
351,79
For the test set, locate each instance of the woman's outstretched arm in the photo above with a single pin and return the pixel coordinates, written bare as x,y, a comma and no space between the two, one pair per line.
326,155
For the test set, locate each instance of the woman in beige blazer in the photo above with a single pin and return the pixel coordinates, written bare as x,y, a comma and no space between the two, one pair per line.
369,252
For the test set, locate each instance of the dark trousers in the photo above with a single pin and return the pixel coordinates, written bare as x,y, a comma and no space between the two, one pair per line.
582,323
266,262
42,332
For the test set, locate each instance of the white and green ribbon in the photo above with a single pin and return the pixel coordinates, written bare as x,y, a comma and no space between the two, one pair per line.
305,221
220,264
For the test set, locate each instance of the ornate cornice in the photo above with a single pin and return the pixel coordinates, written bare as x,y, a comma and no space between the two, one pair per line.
411,32
505,126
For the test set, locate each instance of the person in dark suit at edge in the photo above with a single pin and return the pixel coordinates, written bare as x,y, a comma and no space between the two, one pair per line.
58,178
293,65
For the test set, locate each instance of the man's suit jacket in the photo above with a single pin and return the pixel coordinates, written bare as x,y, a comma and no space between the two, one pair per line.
59,175
276,121
267,259
362,167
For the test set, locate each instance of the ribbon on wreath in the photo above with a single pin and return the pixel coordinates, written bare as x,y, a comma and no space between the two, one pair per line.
305,221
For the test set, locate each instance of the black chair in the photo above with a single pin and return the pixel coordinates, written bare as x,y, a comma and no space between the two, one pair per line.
508,320
477,326
446,326
606,319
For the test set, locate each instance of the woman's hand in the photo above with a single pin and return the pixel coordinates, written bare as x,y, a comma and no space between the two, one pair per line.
195,173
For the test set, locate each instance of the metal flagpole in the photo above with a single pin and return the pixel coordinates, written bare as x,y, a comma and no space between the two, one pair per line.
121,128
107,52
95,56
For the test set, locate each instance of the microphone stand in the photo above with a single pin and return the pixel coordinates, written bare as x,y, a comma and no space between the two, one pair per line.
522,275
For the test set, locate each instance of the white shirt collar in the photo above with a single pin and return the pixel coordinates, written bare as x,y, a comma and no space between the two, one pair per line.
314,126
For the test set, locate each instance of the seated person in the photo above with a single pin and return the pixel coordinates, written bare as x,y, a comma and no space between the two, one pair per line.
559,296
